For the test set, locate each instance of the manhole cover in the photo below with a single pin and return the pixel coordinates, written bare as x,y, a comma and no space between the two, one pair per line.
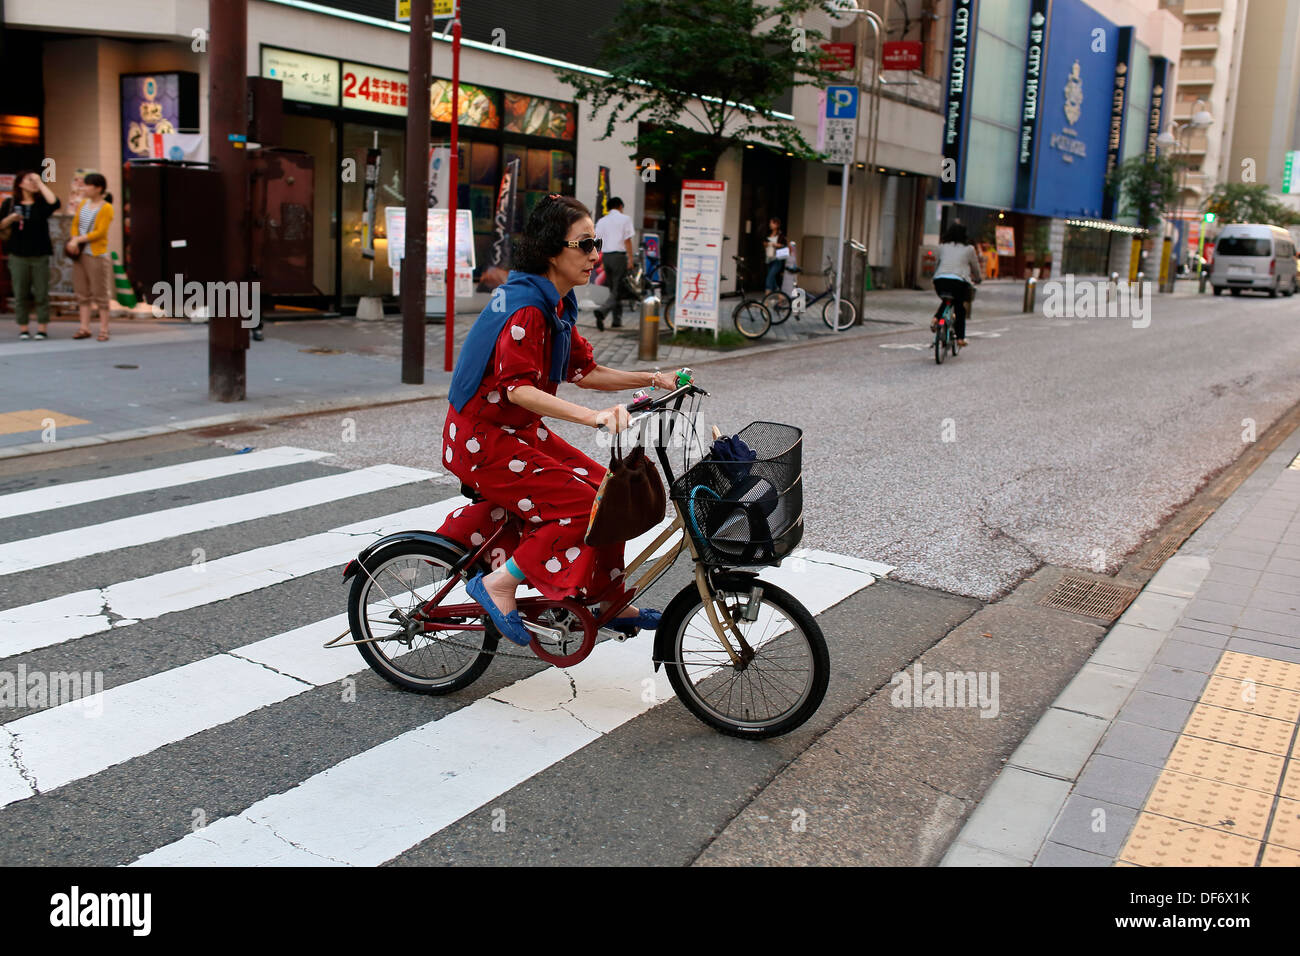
1089,598
320,350
1179,531
126,366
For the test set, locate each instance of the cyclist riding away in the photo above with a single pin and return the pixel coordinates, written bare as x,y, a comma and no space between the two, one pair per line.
521,347
958,266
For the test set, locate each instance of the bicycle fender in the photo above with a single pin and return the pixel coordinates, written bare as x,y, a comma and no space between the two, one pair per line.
684,600
401,537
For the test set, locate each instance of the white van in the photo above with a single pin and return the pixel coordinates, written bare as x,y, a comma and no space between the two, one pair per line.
1249,256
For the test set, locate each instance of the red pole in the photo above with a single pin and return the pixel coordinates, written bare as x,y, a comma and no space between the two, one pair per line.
417,193
453,188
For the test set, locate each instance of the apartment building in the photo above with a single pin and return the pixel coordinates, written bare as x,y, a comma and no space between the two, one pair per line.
1267,118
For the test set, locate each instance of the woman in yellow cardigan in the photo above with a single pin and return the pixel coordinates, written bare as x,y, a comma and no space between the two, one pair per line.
92,270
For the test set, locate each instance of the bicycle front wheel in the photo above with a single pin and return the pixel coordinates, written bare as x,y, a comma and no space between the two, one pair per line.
772,693
778,303
848,314
752,319
668,311
939,347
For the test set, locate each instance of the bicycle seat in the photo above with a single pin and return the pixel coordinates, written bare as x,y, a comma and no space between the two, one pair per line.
468,492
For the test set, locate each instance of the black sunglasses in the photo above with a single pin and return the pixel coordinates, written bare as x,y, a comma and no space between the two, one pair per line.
586,245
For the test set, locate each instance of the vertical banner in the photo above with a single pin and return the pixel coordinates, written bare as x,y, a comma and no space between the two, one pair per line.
699,253
439,160
602,191
1118,106
961,65
373,159
1040,12
498,264
1156,107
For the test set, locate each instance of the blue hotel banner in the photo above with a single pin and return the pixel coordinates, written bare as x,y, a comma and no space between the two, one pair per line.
1035,47
1118,105
1073,112
1156,107
957,96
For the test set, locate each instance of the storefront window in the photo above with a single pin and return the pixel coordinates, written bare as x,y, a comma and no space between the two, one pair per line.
478,106
536,116
363,276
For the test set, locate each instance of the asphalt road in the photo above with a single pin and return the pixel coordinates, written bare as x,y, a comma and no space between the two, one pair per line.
1061,441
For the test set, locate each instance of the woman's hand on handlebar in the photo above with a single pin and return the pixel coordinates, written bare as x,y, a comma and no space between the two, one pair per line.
613,419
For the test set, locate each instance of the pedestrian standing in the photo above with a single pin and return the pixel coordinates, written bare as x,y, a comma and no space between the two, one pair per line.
615,232
25,228
775,264
92,270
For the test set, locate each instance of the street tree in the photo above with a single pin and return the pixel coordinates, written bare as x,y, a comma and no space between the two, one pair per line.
702,75
1147,188
1248,202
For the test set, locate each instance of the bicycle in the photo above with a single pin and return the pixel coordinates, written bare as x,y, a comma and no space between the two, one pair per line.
744,656
780,305
751,318
945,333
660,276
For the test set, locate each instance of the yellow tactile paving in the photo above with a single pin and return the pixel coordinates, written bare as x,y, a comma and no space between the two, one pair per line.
1252,697
33,420
1279,856
1285,830
1160,841
1262,670
1211,804
1240,729
1291,783
1238,766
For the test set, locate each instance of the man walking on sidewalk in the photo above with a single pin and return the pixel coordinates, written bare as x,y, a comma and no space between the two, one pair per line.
615,232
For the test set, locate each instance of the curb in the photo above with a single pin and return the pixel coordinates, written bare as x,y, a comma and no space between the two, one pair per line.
1013,821
355,402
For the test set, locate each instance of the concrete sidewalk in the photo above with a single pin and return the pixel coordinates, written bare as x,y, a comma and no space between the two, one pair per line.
1178,743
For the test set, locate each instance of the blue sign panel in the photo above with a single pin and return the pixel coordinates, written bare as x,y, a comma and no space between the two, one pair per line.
841,102
1074,112
956,119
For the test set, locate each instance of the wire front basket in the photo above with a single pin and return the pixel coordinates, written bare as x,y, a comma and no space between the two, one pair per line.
746,513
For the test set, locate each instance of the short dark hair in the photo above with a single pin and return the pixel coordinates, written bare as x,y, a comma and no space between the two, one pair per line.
97,179
616,203
546,232
957,233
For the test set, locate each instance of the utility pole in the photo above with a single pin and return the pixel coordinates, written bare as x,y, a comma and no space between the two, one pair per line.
452,188
416,258
228,117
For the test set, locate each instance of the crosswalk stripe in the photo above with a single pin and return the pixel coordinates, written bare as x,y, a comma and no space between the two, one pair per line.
82,613
45,550
429,777
132,719
98,489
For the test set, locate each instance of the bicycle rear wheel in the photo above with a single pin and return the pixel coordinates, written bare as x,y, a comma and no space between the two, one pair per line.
399,581
779,688
939,346
779,305
668,311
752,319
848,314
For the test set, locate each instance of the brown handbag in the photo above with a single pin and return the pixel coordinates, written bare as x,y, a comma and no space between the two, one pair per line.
630,500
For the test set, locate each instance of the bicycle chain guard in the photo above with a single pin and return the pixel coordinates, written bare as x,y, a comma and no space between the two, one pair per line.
572,631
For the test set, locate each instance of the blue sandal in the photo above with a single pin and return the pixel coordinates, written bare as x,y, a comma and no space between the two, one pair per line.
647,619
511,625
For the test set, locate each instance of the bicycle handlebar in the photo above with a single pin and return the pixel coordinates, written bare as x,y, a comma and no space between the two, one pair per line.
640,410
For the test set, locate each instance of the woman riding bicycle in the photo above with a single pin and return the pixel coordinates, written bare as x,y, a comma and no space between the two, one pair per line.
521,347
957,267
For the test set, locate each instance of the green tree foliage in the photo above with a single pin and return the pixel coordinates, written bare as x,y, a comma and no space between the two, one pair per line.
1148,188
1248,202
722,63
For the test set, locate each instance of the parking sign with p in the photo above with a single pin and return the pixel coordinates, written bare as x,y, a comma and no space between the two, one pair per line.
841,102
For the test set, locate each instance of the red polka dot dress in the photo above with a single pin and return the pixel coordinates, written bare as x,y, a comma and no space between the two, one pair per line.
505,453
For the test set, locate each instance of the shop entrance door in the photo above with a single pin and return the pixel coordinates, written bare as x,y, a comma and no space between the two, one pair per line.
317,138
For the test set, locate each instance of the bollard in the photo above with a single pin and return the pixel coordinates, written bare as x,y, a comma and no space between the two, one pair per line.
648,350
1031,289
1205,277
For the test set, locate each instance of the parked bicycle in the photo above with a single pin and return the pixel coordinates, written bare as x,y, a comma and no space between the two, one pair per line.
781,305
744,656
945,332
750,316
